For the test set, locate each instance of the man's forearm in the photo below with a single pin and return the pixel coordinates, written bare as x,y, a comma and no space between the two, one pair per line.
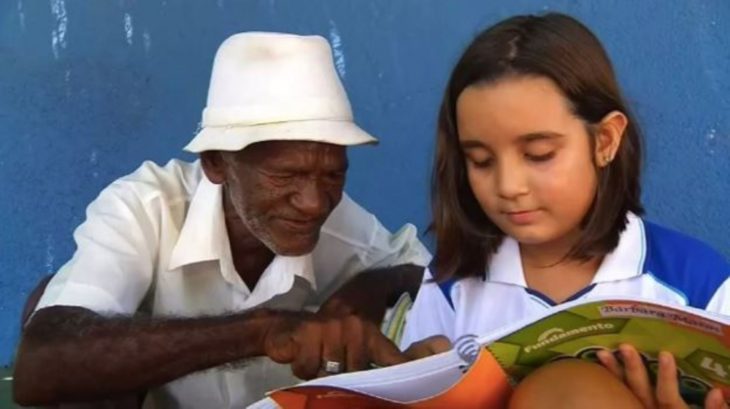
72,354
371,292
407,279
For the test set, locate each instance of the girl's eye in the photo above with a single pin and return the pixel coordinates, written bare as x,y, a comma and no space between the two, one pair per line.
484,163
540,158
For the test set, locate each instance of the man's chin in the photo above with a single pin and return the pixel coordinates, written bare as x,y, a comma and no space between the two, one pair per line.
293,248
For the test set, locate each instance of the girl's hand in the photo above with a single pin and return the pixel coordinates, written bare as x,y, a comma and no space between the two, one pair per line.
635,375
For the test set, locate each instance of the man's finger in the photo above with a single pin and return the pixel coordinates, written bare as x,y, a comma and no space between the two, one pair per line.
333,349
382,351
279,344
637,377
667,388
355,344
308,360
609,361
427,347
439,343
335,308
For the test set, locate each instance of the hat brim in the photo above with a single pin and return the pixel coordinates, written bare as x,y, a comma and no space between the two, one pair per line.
236,138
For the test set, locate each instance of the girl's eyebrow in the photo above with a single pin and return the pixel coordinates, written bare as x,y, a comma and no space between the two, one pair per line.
537,136
472,144
469,144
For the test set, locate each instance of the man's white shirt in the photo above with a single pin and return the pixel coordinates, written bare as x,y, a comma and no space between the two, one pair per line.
155,241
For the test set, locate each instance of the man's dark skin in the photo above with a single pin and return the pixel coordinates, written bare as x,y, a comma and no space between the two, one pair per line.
277,195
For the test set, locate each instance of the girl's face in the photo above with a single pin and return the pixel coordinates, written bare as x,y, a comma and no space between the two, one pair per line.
529,158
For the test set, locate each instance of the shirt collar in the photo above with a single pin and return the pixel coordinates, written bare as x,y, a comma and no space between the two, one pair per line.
506,264
204,225
625,261
204,237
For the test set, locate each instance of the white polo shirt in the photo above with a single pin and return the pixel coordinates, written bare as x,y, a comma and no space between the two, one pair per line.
650,262
156,241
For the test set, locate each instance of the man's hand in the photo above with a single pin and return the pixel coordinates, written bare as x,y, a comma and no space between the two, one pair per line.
371,292
308,342
427,347
666,395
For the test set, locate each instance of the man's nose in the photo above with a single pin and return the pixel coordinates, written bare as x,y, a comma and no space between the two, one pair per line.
310,199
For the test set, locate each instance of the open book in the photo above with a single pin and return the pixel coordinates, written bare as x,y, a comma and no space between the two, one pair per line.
480,371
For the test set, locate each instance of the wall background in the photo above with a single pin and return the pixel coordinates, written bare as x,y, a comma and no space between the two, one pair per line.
90,89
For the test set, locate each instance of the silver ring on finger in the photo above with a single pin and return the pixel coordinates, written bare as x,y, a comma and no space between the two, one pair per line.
332,367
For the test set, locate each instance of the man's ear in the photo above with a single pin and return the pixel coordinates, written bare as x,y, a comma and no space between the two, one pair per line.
214,166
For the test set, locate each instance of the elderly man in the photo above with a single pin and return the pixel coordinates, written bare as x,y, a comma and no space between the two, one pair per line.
197,281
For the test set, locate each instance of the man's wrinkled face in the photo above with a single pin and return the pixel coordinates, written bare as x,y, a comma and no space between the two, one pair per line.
283,191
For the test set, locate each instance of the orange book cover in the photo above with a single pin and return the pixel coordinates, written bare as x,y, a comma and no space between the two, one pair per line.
485,385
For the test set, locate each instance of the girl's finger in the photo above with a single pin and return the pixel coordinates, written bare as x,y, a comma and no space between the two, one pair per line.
637,377
715,400
609,361
667,388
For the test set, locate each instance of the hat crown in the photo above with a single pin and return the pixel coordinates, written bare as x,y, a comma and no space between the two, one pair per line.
264,78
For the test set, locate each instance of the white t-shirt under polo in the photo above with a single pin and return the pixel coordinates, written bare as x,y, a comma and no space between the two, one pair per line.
156,241
650,262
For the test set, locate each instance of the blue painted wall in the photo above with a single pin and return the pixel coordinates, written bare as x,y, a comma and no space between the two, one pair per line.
90,89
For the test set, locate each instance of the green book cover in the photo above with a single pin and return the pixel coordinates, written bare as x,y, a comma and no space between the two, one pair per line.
699,341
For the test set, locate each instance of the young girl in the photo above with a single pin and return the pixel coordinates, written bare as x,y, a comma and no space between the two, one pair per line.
536,191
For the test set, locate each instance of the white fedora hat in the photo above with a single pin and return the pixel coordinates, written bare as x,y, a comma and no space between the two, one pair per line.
274,86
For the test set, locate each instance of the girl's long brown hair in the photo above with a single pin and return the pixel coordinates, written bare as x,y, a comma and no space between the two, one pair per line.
558,47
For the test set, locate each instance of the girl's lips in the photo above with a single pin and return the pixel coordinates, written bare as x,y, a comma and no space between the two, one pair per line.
522,217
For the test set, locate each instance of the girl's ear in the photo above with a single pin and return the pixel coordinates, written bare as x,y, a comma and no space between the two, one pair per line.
610,132
214,166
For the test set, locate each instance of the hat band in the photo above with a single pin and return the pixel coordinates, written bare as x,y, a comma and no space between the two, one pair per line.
296,110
